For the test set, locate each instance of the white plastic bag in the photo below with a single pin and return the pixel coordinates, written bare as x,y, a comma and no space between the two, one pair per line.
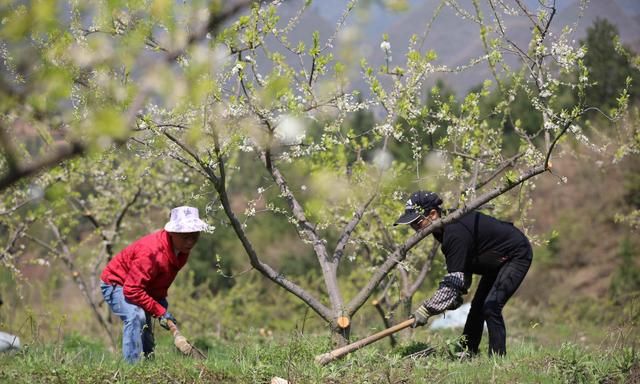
9,342
452,319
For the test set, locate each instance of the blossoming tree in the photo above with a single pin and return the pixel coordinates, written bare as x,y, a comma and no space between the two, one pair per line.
292,118
248,107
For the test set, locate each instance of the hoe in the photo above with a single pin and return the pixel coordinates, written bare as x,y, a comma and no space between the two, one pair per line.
183,344
337,353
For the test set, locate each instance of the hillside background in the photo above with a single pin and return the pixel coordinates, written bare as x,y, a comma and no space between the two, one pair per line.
448,35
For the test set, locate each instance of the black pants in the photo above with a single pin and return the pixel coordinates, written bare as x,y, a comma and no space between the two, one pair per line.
148,341
494,290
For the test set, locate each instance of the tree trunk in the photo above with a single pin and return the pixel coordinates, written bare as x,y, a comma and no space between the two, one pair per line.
386,320
340,336
405,306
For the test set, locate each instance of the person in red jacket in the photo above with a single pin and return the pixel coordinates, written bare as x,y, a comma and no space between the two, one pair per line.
135,282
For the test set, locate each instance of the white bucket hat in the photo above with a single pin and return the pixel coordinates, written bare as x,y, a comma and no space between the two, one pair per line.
184,220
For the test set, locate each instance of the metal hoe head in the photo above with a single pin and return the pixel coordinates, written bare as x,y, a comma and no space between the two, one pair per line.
183,345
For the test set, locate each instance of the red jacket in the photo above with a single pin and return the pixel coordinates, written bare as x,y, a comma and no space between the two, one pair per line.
145,269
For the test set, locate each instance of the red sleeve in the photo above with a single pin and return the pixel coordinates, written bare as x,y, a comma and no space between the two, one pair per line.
141,272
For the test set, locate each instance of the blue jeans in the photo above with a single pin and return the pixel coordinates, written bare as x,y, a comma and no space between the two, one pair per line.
137,335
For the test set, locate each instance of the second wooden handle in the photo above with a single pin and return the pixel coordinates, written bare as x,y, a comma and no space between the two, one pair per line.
339,352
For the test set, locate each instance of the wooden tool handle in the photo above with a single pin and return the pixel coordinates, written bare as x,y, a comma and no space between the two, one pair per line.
339,352
180,341
172,327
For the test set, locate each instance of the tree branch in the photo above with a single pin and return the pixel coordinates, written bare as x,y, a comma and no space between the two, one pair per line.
8,249
388,242
346,233
205,167
54,156
214,22
62,152
118,223
506,164
564,130
262,267
16,207
424,270
306,230
67,259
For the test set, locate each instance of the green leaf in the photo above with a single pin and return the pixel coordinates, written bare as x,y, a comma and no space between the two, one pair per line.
161,8
194,134
110,122
511,177
315,49
276,87
16,25
55,191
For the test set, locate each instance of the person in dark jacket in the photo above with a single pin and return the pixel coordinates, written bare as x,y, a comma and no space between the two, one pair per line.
473,244
135,282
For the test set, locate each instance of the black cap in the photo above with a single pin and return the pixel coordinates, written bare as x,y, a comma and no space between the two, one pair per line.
419,204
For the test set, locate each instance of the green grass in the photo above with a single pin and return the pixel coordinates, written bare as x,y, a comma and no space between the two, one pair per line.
256,360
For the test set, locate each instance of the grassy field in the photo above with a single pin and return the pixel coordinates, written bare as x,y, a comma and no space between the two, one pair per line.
538,353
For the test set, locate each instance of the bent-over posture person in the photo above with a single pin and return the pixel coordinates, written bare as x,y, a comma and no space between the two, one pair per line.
135,282
473,244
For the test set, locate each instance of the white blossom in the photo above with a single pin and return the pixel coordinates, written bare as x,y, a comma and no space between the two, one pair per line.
398,196
246,145
237,68
290,129
286,157
382,159
36,192
250,211
385,129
